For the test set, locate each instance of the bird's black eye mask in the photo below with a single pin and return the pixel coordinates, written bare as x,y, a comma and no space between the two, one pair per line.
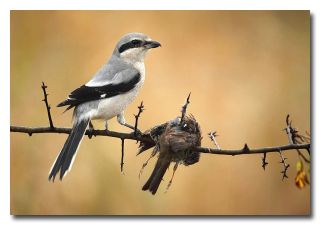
131,44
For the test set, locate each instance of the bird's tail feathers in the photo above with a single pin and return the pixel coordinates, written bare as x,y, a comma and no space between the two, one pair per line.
63,162
157,174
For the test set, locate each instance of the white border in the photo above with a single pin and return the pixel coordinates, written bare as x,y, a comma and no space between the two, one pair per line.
7,5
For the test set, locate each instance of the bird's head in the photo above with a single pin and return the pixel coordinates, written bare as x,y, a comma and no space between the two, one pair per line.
133,47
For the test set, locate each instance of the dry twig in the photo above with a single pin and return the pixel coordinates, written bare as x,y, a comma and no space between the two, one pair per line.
184,108
212,136
122,154
264,161
141,109
44,87
285,165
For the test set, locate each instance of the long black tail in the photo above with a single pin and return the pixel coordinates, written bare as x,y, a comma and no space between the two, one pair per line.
67,154
157,174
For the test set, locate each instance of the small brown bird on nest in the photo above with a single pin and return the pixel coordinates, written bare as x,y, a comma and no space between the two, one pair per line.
174,142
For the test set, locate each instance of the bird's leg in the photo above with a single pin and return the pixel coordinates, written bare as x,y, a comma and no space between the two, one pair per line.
146,163
91,125
174,171
122,121
90,129
106,126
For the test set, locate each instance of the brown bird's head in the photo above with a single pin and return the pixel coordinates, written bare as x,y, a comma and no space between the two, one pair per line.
179,136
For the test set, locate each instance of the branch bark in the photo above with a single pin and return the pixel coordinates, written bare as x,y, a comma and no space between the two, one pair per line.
63,130
45,94
252,151
132,136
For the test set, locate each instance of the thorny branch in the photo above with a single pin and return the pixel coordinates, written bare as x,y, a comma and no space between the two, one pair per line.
44,87
285,165
250,151
141,109
264,161
295,138
296,141
122,154
131,136
212,136
62,130
184,108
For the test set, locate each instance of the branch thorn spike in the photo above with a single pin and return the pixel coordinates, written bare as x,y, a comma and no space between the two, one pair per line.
246,148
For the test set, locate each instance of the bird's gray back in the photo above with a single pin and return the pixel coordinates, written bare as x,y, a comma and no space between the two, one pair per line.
109,70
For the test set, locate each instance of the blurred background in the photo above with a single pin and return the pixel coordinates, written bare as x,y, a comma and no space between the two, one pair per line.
246,71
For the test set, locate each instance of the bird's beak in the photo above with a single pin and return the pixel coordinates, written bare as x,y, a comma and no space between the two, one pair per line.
152,44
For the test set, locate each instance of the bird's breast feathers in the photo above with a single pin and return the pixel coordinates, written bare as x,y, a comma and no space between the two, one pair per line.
110,107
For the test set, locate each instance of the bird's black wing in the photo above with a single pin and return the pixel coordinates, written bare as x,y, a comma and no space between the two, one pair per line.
90,93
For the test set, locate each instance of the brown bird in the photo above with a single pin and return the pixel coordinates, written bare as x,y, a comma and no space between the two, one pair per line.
174,141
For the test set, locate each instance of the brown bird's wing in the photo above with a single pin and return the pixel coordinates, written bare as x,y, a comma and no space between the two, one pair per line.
154,134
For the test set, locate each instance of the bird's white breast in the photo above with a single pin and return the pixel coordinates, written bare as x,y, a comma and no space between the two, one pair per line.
111,107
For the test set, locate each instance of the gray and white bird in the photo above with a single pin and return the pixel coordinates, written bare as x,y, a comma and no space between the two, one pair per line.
106,95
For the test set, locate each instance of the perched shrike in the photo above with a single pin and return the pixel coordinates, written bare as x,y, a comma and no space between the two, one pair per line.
106,95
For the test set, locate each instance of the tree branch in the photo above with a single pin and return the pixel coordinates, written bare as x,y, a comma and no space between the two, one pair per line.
184,108
63,130
285,166
212,136
131,136
122,154
140,110
251,151
44,87
264,161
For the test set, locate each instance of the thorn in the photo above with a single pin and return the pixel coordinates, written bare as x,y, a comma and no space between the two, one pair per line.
122,155
189,97
140,110
246,148
184,108
264,161
285,166
264,165
212,136
287,120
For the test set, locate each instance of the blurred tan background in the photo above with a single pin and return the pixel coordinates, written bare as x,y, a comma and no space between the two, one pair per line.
246,70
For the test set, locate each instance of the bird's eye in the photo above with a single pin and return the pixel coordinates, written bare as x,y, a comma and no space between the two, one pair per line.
136,42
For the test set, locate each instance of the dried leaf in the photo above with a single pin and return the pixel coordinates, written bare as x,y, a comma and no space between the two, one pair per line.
299,166
301,179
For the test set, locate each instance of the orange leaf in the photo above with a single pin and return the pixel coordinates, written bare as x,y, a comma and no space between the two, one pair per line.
301,179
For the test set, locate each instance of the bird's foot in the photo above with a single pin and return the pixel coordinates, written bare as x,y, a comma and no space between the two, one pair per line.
136,131
129,126
90,130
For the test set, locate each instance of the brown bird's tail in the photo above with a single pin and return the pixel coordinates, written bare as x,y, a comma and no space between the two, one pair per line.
157,174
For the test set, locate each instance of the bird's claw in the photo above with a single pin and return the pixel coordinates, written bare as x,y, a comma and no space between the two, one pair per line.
90,132
137,132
